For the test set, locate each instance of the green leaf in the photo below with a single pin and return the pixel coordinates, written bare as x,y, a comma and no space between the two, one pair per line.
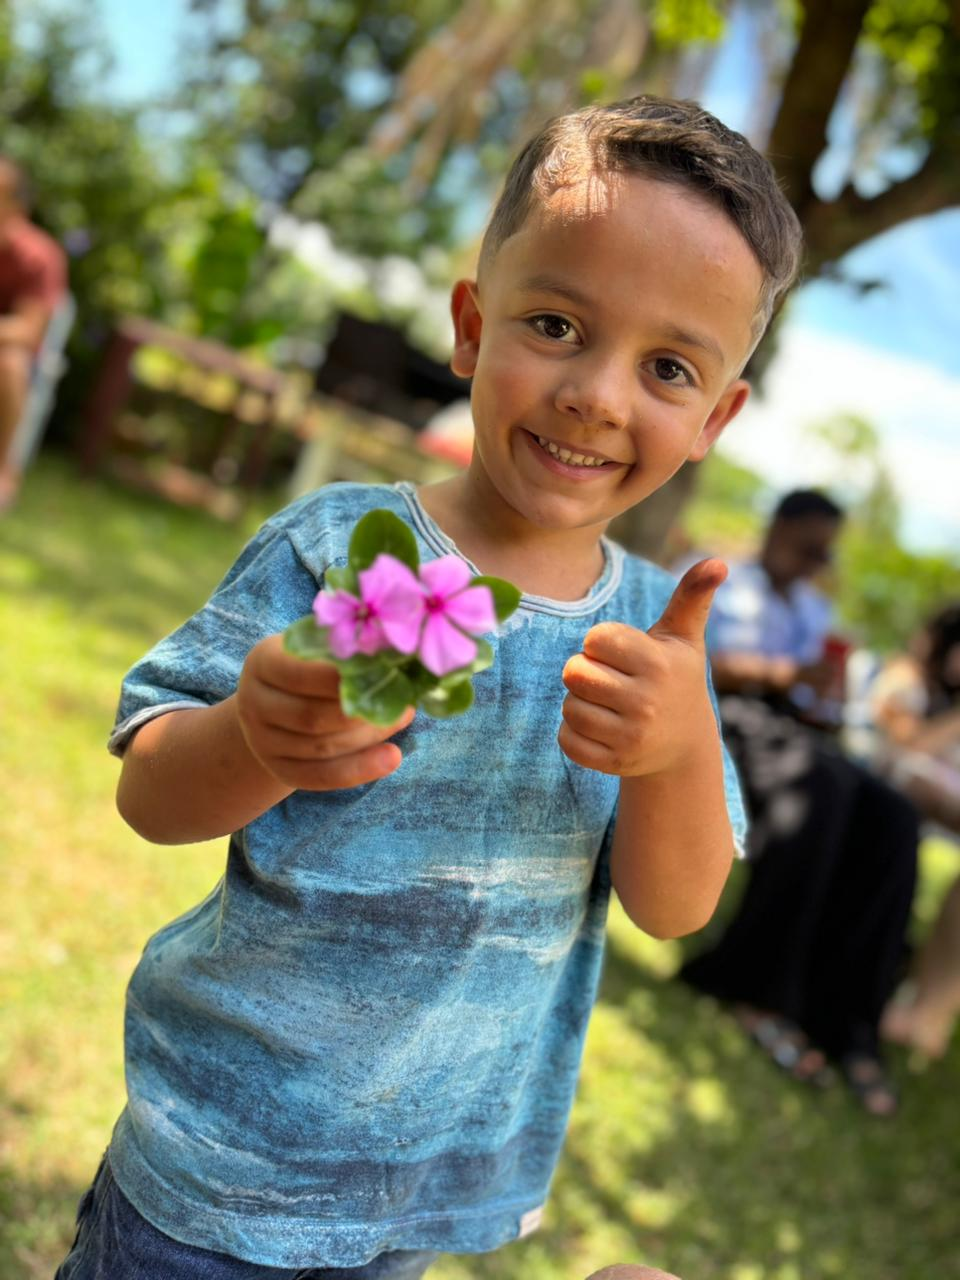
382,532
483,659
305,639
506,596
450,700
380,694
341,579
420,678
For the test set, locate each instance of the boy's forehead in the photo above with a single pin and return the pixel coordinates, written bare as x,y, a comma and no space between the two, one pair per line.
630,211
589,197
626,232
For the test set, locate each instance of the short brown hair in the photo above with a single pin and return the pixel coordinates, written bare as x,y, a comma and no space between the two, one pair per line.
672,141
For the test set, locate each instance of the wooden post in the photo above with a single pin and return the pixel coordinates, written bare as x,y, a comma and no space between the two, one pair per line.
108,397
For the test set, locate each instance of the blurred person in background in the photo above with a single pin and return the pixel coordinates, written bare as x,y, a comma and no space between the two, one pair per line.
916,703
33,280
815,948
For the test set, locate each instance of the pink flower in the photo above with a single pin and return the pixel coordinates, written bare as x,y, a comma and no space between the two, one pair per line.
453,608
387,614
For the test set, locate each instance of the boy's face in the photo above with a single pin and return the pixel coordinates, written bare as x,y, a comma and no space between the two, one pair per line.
605,349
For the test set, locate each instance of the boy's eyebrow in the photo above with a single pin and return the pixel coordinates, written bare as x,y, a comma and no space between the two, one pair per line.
687,337
551,284
672,332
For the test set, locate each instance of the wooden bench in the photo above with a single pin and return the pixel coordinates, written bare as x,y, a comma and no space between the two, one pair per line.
239,422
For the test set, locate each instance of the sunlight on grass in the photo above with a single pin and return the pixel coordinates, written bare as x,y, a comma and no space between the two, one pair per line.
685,1148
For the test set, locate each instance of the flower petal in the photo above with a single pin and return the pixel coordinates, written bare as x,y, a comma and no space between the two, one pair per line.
445,576
472,609
370,637
387,577
343,638
330,608
392,590
443,648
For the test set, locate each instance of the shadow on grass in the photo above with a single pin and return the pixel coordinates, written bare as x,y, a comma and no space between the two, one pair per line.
690,1151
774,1178
37,1224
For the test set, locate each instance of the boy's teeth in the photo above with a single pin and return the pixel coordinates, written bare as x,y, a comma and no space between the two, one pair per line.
577,459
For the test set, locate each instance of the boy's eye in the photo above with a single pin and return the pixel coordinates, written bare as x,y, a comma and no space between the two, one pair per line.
672,371
554,327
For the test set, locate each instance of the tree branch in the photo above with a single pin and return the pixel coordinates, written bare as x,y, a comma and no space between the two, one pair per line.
832,228
820,64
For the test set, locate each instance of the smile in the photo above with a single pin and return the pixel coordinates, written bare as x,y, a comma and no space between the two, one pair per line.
568,456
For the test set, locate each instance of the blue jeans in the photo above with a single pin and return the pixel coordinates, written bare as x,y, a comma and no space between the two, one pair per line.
115,1243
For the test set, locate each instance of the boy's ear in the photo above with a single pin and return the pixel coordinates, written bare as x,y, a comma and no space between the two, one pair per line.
467,323
725,410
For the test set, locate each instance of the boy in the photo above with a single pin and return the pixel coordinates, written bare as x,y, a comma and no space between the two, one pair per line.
361,1049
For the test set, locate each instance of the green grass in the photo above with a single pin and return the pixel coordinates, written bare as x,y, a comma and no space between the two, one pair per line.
685,1148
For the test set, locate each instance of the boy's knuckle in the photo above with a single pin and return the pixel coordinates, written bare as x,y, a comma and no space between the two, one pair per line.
642,712
309,717
326,747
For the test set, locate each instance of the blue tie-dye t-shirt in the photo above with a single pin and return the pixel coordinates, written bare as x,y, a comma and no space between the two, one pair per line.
367,1037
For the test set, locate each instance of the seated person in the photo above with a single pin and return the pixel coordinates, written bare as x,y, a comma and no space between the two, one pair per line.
33,279
917,709
815,948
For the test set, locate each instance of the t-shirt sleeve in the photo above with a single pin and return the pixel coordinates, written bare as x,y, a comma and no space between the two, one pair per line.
199,664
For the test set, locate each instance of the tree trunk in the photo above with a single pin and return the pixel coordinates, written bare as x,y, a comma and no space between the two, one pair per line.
644,529
820,64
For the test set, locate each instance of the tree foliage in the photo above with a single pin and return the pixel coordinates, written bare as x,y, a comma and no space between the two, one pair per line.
886,590
393,123
386,120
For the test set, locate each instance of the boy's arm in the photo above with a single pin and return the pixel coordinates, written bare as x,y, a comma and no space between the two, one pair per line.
192,775
638,706
189,776
673,846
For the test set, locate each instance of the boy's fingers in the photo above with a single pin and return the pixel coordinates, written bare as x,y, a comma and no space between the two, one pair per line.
599,682
612,650
354,770
685,617
320,717
282,742
310,677
295,713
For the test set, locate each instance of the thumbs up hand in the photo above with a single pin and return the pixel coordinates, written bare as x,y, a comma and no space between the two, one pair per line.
637,702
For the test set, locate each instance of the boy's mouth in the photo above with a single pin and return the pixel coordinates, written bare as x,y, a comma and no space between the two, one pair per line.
571,457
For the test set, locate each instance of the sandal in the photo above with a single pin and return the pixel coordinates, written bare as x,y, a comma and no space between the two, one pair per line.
865,1074
786,1046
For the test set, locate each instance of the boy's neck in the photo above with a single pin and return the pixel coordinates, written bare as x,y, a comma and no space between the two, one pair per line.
561,564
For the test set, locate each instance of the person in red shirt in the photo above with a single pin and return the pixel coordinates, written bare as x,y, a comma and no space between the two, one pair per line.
33,279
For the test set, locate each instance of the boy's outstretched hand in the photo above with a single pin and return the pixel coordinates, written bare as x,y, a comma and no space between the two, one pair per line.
290,717
637,701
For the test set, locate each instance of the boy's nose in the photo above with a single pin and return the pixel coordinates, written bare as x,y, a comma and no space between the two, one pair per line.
600,401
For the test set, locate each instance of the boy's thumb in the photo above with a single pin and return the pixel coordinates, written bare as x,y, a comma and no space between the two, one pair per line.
685,617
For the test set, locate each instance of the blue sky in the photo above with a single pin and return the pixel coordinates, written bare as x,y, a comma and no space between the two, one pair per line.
907,331
144,39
